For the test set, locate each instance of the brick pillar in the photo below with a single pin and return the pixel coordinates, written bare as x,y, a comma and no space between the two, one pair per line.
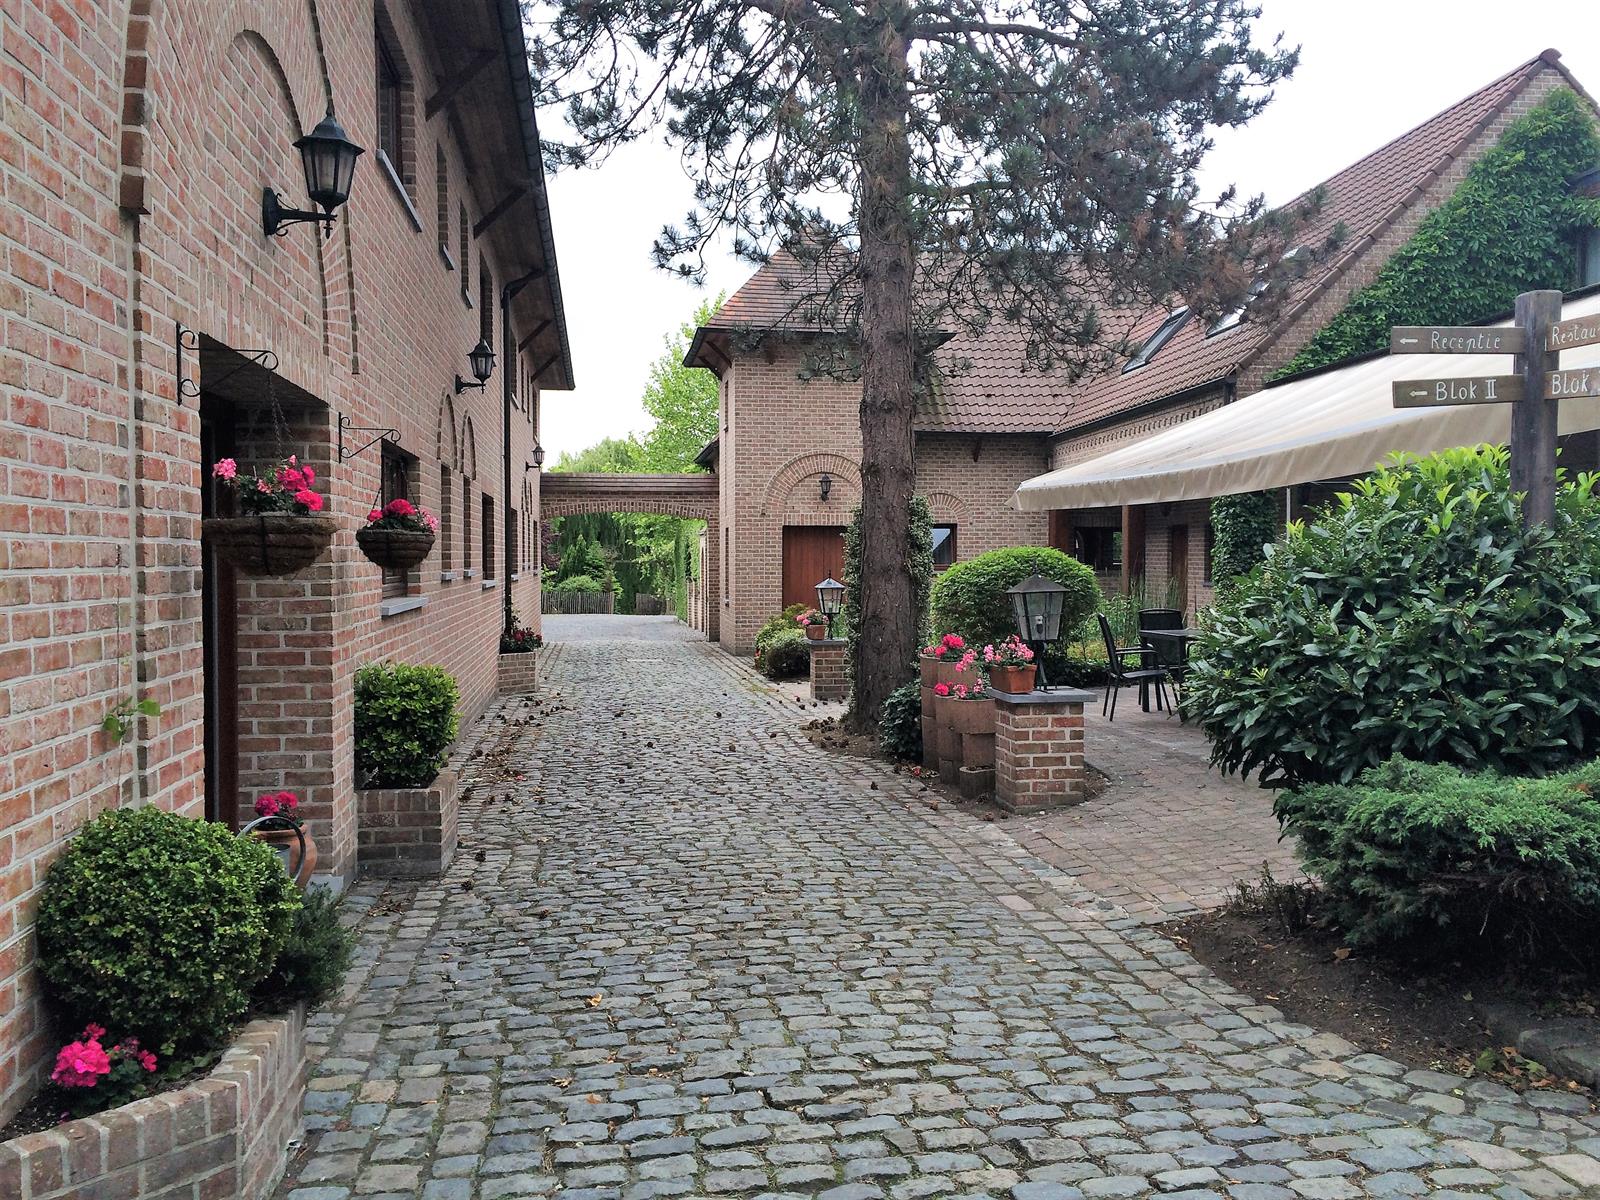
828,680
1038,749
711,579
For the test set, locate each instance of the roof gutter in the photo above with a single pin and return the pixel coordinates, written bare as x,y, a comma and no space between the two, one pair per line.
516,48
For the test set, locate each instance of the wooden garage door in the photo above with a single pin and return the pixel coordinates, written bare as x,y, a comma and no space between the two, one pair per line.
811,553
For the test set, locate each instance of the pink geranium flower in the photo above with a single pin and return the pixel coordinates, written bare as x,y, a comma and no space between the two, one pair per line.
375,514
399,507
225,469
312,500
82,1063
941,689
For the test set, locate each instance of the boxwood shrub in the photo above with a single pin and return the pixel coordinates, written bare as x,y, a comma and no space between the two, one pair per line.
158,926
900,725
1432,860
786,654
1415,616
405,721
970,597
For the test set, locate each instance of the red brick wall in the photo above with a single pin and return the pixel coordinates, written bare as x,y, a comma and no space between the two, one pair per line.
100,465
781,433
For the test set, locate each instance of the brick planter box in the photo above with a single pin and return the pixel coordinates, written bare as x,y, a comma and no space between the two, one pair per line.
224,1136
408,833
519,673
828,669
1038,749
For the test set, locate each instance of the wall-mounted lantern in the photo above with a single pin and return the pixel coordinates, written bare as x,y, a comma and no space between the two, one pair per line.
538,460
825,485
328,157
481,357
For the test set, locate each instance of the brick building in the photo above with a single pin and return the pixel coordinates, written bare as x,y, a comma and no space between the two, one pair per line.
986,428
140,290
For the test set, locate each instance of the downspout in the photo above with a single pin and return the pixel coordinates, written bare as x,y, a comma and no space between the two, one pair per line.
131,240
508,293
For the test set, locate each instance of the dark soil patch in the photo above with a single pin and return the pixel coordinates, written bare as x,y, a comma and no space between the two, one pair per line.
44,1110
1422,1017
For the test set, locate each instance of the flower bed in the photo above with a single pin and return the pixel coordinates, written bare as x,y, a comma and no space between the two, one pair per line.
224,1135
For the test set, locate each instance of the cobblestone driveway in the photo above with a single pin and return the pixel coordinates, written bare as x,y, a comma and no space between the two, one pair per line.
682,952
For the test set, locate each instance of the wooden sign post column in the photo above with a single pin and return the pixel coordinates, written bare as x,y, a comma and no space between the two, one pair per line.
1533,418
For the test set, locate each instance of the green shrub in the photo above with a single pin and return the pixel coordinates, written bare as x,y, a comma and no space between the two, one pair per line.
781,623
970,597
405,722
158,926
1242,525
315,956
1429,859
1079,665
587,584
1414,617
787,655
900,726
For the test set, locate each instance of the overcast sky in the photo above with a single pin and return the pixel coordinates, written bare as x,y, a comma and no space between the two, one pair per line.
1369,71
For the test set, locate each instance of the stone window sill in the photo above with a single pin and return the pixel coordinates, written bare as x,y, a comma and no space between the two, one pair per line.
516,576
399,189
449,259
489,583
470,573
401,604
447,576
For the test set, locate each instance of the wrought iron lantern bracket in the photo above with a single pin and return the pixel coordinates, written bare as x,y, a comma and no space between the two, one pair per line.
382,432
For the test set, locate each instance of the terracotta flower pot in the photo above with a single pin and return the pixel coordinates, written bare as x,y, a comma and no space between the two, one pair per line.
816,632
286,844
934,671
395,549
1012,680
970,716
269,543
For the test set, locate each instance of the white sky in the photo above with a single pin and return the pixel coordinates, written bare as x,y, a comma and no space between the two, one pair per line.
1369,71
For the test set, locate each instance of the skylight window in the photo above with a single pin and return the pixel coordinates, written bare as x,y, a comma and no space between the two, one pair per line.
1163,334
1229,320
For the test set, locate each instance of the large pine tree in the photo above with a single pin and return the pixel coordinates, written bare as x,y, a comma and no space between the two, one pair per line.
931,166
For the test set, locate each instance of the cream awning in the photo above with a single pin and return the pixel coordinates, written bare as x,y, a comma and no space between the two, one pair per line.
1328,426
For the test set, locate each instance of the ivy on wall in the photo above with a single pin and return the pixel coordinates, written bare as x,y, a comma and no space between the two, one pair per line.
1240,526
1510,227
920,565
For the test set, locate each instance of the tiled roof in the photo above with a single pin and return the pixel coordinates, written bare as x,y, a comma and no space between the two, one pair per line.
996,393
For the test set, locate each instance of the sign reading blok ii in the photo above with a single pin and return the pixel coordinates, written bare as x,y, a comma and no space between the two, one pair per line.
1486,389
1455,339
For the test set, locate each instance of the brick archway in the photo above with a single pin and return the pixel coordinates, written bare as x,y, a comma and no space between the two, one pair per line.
693,497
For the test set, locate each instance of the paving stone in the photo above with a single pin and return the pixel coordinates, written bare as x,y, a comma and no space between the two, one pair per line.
774,972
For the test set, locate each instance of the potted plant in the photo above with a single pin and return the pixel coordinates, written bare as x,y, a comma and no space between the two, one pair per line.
814,623
280,529
398,536
517,638
1010,665
278,825
942,659
966,707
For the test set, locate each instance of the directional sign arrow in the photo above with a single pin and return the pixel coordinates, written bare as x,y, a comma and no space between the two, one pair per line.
1560,385
1455,339
1580,331
1483,389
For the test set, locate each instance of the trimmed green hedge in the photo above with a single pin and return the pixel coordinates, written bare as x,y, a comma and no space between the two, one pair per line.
1416,616
405,721
786,654
158,926
1508,228
970,597
1432,860
1241,526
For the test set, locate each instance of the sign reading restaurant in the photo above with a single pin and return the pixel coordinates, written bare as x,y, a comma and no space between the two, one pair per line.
1580,331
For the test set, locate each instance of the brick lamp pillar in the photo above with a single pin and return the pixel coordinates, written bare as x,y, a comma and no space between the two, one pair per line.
1038,749
828,680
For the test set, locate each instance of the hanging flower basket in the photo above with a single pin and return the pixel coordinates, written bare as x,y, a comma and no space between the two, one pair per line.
397,536
395,549
280,532
269,543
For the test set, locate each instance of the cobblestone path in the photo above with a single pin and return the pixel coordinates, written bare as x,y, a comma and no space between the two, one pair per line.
682,952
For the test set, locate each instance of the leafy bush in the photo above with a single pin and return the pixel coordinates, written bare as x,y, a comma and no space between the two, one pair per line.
1242,525
158,926
1079,665
787,655
1414,617
586,584
970,598
900,726
405,722
315,956
783,622
1434,860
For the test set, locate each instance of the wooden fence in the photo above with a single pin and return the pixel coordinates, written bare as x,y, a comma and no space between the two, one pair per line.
578,602
646,605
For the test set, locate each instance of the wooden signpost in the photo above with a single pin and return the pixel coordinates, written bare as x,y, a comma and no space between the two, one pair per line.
1536,337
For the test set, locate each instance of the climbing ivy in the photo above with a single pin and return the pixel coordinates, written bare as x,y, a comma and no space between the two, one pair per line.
1508,228
921,567
1240,526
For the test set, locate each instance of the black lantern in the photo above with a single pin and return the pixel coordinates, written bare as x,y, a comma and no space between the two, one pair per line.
830,599
825,485
538,458
481,357
1036,603
328,157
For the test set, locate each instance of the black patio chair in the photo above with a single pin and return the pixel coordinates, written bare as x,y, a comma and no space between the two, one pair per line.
1122,676
1171,653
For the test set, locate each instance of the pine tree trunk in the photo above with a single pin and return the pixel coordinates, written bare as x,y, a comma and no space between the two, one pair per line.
886,640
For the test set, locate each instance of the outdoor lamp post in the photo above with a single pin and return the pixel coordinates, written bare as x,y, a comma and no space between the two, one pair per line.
328,157
830,599
1037,603
481,357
